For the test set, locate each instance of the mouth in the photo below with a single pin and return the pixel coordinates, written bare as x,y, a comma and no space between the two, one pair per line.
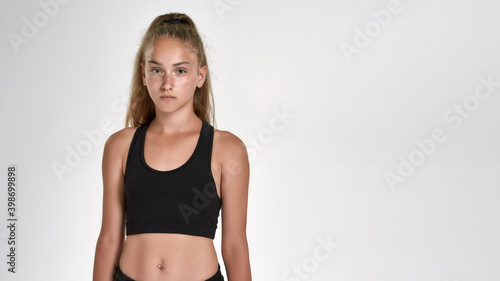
168,97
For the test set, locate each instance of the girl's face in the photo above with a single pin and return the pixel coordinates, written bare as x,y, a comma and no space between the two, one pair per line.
171,73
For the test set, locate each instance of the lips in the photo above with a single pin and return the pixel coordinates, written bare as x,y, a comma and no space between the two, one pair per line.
166,97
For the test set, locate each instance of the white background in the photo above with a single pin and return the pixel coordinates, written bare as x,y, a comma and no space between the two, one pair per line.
319,175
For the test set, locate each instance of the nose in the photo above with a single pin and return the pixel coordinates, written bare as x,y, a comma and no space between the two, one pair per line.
168,82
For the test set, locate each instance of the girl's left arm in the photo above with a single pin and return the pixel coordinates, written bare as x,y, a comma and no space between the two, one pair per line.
235,171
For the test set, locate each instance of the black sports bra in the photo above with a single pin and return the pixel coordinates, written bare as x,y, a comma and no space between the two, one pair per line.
183,200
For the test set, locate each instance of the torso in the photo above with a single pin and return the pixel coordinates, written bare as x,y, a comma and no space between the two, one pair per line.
169,256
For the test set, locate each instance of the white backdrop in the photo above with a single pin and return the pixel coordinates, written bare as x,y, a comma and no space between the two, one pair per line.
372,130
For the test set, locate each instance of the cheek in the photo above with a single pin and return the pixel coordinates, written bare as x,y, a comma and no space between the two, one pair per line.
185,82
152,79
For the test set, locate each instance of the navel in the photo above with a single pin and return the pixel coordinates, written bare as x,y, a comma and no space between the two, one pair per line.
160,266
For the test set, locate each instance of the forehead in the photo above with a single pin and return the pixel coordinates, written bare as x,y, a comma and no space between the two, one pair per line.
170,50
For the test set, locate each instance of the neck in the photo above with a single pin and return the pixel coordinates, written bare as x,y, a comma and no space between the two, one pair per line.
171,124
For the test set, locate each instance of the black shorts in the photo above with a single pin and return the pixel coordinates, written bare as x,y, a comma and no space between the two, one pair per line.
120,276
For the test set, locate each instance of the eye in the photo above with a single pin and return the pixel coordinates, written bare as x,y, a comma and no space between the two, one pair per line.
155,70
181,71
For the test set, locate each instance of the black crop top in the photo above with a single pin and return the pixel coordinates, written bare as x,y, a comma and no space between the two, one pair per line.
183,200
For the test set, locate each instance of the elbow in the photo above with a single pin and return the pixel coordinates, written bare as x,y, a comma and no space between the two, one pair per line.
110,240
234,248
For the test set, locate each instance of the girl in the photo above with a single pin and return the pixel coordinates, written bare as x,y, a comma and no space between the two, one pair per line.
167,176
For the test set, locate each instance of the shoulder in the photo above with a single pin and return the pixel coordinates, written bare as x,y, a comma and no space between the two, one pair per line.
117,145
229,149
229,141
121,138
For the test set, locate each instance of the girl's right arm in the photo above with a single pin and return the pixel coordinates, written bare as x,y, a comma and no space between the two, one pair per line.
111,238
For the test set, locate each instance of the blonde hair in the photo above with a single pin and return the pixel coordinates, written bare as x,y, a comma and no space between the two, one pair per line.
141,108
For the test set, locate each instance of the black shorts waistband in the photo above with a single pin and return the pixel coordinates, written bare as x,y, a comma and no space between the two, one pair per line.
120,276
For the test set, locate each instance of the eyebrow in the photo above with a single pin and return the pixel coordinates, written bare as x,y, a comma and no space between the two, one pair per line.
175,64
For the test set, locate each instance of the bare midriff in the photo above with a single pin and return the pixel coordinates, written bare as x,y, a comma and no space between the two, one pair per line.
168,256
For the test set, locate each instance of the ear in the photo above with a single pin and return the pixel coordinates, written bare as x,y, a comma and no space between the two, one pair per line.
202,75
143,74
